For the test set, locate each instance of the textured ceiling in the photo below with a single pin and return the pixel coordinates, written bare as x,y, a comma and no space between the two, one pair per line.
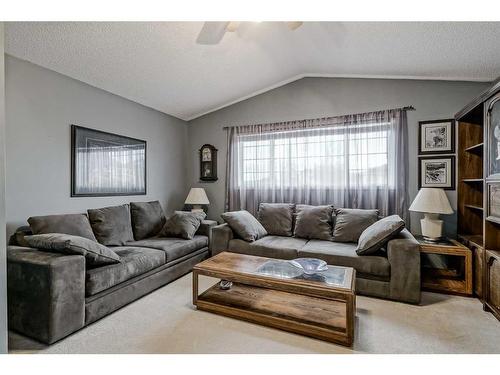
160,65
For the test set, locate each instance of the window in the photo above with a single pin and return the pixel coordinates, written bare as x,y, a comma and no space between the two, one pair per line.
356,161
317,158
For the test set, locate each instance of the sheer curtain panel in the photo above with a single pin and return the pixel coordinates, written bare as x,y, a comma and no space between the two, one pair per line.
355,161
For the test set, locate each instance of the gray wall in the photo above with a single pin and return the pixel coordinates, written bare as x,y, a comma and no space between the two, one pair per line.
41,105
318,97
3,273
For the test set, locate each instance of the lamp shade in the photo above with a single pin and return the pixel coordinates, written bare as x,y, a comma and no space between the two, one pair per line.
431,200
197,196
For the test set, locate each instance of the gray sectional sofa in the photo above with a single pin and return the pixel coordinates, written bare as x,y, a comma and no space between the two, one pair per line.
51,295
393,272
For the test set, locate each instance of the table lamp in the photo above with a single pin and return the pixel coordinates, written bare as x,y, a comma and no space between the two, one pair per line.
431,202
196,198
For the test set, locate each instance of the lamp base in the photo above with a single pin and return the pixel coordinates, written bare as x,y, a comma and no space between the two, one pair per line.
429,239
197,208
432,228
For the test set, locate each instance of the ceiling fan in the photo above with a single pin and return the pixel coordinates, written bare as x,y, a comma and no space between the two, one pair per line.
213,32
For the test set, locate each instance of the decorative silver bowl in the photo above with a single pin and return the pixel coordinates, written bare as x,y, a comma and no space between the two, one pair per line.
310,266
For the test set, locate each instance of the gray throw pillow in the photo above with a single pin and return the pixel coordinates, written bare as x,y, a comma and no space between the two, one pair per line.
277,218
378,234
245,225
74,224
111,225
95,254
313,222
147,219
351,222
183,224
17,239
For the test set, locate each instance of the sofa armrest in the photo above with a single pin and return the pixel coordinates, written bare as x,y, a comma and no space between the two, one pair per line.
403,253
206,227
219,241
46,293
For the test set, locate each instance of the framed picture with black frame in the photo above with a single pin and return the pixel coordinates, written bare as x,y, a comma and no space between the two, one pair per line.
436,172
106,164
436,137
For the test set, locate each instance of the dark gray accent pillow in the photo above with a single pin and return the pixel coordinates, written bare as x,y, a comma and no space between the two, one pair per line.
147,219
378,234
183,224
313,222
17,239
111,225
277,218
351,222
74,224
245,225
95,254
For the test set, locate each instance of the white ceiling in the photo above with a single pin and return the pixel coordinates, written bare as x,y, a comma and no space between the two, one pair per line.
160,65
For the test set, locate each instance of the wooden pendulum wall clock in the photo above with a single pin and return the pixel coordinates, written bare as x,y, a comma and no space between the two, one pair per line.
208,163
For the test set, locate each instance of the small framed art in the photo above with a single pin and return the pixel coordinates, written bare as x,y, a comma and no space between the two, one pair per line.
436,172
436,137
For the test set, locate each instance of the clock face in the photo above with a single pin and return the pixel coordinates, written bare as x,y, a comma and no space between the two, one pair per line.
206,154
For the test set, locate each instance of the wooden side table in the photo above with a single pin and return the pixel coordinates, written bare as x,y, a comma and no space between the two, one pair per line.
446,266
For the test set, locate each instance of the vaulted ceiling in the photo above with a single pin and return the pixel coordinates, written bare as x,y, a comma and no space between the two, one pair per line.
161,66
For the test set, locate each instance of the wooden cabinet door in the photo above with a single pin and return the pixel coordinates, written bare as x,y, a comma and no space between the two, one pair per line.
493,278
493,139
478,260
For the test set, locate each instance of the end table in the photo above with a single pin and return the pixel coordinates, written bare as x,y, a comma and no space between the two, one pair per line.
446,266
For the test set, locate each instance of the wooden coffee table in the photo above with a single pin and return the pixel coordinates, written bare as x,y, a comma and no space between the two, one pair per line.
274,293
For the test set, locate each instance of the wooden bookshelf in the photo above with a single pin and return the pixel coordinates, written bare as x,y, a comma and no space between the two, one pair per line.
470,177
478,178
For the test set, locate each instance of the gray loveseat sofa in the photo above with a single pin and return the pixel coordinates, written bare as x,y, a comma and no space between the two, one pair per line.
51,295
392,273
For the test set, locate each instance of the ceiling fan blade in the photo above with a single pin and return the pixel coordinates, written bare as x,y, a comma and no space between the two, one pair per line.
294,25
212,32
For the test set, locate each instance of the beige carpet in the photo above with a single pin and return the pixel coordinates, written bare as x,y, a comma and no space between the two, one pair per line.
165,322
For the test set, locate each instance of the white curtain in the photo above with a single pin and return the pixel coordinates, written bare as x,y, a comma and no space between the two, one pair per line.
110,169
357,161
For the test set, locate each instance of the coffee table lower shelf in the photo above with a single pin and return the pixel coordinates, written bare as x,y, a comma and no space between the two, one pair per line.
321,318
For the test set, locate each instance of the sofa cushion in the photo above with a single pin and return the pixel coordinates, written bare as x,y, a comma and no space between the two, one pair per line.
376,235
95,254
147,219
182,224
112,225
344,254
269,246
245,225
313,222
351,222
277,218
74,224
174,248
135,262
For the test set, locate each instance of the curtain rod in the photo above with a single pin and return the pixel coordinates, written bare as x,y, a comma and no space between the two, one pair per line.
409,108
406,108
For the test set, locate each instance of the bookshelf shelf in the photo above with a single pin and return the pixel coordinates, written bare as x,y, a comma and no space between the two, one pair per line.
475,148
473,207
